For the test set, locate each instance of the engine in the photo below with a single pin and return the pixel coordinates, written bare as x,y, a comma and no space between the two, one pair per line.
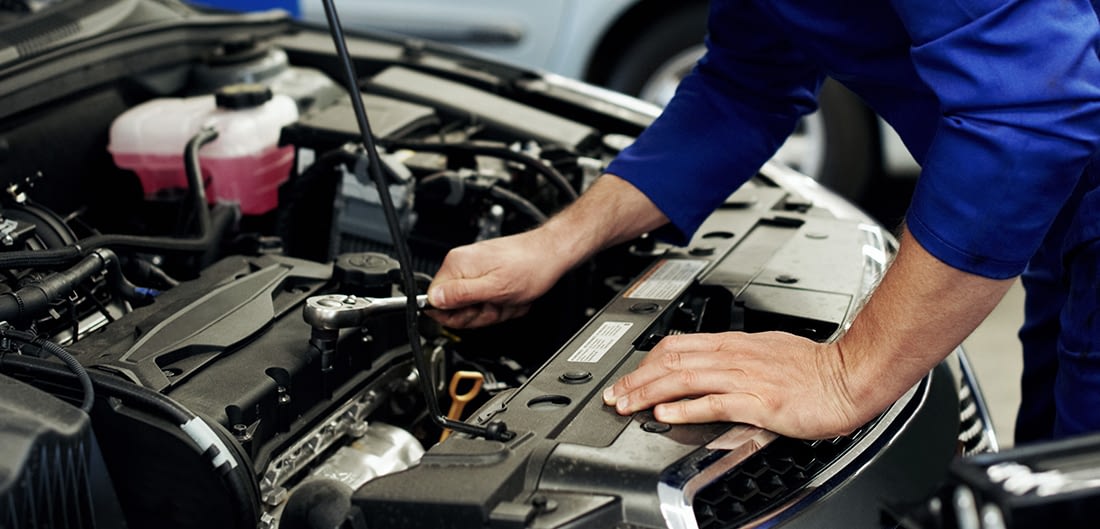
205,204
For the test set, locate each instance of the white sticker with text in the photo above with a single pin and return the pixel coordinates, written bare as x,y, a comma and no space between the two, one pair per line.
667,280
601,341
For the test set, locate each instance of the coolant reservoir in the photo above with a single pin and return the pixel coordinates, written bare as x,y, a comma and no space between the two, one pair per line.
244,165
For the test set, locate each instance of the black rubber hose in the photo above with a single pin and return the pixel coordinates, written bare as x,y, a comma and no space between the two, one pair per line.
151,272
518,203
143,397
122,286
40,258
239,480
455,188
35,298
200,243
74,366
197,244
552,175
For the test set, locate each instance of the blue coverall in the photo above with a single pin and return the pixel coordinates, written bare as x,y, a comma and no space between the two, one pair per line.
998,100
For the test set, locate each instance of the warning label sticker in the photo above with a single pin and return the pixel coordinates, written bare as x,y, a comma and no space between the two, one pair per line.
666,280
597,345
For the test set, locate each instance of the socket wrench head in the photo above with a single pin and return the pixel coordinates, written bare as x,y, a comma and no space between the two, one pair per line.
340,311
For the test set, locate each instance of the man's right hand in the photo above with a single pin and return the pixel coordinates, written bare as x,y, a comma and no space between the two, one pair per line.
494,280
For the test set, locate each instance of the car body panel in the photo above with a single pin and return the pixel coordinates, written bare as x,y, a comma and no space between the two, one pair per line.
556,35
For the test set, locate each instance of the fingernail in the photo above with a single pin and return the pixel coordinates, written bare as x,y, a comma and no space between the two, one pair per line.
435,297
609,396
623,404
665,413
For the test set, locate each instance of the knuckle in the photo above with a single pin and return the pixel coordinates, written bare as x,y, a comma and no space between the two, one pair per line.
459,290
687,378
668,344
717,406
464,317
458,253
499,291
672,361
628,382
452,263
489,314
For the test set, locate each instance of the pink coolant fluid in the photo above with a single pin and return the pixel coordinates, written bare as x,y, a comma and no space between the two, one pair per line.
245,164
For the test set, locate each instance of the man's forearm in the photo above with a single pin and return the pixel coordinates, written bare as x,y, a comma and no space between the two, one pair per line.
922,310
609,212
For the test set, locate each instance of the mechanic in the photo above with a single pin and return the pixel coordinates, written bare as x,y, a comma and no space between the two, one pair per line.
1000,103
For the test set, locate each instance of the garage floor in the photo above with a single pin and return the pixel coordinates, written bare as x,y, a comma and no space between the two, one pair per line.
995,353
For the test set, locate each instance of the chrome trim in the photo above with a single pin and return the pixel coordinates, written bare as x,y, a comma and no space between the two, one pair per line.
877,254
876,257
970,378
676,499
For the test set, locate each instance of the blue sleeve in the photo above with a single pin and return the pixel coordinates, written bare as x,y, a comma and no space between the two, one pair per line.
1019,90
290,6
727,117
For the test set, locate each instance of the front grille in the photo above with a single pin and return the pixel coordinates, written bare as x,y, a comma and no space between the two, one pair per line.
767,479
972,428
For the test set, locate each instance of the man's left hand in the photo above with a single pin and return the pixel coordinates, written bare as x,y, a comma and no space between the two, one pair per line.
778,381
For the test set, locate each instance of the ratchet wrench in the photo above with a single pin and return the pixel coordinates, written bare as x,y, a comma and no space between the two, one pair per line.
332,312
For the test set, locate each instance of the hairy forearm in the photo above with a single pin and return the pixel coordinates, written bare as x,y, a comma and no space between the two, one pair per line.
919,313
610,212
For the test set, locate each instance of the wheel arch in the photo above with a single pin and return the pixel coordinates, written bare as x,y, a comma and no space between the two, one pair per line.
626,27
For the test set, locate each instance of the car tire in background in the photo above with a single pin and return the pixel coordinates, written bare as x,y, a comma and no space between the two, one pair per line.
850,142
648,55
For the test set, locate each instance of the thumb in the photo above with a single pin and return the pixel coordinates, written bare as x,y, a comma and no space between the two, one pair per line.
456,293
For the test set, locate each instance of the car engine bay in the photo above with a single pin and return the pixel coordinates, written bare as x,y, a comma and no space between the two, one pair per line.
192,226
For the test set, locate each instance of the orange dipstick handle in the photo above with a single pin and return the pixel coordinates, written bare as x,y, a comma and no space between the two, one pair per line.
458,401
